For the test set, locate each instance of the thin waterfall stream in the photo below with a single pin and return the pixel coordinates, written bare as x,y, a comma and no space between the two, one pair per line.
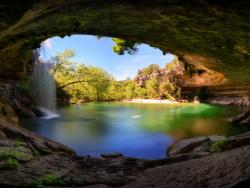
44,87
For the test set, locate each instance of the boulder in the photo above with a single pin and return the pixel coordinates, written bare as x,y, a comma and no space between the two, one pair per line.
243,118
186,145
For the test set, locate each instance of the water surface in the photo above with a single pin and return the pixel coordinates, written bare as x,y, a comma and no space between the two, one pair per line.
136,130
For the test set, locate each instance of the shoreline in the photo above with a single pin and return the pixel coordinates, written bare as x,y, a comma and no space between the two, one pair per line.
151,101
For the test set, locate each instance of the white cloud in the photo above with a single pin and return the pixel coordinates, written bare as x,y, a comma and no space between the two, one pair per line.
47,44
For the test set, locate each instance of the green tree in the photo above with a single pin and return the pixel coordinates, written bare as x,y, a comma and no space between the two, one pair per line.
166,90
152,88
122,46
153,68
78,80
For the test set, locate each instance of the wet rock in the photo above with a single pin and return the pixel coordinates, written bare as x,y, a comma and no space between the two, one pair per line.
243,118
43,145
22,110
186,145
38,112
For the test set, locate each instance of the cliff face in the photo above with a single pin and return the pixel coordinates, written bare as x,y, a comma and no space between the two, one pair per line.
210,35
173,72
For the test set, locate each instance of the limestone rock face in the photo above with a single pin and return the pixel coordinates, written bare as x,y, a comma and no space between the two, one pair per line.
196,31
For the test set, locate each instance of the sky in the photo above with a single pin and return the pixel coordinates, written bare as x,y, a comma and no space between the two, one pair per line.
98,52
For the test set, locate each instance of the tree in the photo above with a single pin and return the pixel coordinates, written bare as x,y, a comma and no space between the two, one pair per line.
122,46
62,61
79,80
153,68
152,88
166,90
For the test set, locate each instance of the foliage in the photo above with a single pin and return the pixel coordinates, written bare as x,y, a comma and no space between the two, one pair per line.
153,68
10,163
152,88
219,146
11,158
170,66
166,90
42,182
17,142
82,83
78,80
122,46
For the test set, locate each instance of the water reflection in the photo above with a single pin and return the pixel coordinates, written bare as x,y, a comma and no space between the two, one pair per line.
136,130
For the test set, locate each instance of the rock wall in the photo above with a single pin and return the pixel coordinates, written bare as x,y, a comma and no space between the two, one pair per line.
7,113
206,33
225,95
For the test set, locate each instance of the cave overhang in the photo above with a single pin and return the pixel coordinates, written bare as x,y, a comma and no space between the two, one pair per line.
214,35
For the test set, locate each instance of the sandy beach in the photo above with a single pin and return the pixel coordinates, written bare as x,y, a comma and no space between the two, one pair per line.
153,101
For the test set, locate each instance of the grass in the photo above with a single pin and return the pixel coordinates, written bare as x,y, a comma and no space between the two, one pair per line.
219,146
11,158
49,179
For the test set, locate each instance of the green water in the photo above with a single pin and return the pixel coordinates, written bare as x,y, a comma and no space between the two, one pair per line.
136,130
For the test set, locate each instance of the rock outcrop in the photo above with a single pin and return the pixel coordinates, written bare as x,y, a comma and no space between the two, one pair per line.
228,169
210,35
242,119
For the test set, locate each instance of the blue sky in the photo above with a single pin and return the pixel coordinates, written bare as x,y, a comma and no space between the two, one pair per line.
98,52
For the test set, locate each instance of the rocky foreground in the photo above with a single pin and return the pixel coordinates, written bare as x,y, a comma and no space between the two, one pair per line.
28,160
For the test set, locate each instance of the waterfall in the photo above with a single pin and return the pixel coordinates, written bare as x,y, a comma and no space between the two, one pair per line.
44,87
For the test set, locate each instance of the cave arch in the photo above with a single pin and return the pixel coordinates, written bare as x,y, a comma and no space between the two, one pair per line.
214,35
